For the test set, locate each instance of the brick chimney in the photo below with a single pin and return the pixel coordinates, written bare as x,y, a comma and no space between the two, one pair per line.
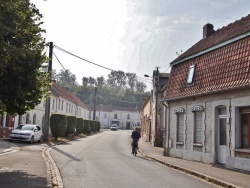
208,30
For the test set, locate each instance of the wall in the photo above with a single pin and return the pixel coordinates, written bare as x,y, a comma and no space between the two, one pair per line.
207,153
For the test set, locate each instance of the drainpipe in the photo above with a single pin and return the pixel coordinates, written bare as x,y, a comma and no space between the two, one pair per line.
165,142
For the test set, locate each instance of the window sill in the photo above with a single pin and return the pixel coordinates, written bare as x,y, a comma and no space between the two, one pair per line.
179,143
199,145
242,150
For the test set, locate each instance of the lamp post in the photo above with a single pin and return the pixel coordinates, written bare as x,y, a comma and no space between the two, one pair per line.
156,86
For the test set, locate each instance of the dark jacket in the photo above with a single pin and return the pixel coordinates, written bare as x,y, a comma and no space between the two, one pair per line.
136,135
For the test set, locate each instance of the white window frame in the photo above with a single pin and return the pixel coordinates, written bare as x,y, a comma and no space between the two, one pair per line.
198,128
180,127
191,72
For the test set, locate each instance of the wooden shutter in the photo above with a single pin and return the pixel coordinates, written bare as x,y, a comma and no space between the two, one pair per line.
198,127
180,127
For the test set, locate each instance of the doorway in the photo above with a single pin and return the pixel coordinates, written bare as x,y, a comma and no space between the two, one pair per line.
222,136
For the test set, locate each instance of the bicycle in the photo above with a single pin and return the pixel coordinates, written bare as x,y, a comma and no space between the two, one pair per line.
134,147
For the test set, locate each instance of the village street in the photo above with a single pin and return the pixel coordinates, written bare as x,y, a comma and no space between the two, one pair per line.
104,160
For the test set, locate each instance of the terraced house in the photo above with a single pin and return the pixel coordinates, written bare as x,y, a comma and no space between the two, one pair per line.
61,102
208,98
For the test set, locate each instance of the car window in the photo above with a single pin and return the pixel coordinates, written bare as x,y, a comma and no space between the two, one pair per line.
19,126
38,128
28,127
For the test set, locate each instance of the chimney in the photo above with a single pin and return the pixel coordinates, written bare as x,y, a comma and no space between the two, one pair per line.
208,30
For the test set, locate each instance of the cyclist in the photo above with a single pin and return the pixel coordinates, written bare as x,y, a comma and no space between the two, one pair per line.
135,136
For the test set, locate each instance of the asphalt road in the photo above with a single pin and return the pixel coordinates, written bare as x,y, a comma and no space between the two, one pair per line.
24,167
105,160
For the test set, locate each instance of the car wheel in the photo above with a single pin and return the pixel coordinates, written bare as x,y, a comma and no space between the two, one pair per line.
32,139
41,139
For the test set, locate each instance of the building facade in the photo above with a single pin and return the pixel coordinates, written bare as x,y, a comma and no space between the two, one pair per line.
208,99
123,117
61,101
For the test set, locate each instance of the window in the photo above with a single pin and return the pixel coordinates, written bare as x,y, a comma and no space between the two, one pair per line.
59,105
198,125
180,124
105,115
53,104
66,106
115,116
245,130
191,74
62,106
34,119
180,127
128,116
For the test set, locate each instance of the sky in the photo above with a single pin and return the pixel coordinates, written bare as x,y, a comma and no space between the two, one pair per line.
134,36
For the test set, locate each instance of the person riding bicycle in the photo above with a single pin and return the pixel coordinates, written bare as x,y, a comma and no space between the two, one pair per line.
136,135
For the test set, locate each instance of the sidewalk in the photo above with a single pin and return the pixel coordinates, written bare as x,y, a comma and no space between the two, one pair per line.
219,176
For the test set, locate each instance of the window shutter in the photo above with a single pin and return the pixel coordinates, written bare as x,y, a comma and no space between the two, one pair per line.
198,127
180,128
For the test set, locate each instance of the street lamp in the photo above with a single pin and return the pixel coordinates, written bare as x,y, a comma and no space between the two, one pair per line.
156,84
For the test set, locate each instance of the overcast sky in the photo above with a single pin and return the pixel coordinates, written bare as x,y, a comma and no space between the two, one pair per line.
130,35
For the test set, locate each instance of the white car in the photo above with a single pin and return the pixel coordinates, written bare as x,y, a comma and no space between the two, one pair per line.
27,132
113,127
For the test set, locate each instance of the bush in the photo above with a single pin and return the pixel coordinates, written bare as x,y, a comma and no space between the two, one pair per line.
79,126
86,129
58,124
98,125
92,125
71,125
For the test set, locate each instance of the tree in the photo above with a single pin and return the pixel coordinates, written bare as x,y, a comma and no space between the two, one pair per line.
140,87
22,45
131,80
100,82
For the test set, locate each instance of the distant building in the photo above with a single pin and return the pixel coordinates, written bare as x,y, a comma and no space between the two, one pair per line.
123,117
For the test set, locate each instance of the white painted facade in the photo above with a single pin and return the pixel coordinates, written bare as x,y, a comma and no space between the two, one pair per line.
124,119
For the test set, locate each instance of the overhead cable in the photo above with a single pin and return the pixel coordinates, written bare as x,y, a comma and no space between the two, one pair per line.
82,58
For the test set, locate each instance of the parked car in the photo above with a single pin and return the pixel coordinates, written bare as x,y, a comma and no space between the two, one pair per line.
27,132
113,127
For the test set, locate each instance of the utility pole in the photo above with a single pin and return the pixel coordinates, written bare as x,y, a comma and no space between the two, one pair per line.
94,104
47,106
156,105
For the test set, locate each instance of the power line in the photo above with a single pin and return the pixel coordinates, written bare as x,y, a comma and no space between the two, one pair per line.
66,70
82,58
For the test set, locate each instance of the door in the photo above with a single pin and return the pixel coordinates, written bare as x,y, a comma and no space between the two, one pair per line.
222,140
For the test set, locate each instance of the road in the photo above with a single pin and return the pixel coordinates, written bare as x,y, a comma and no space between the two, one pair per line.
24,167
105,160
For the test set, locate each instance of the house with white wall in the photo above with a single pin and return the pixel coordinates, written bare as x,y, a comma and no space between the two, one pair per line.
123,117
61,102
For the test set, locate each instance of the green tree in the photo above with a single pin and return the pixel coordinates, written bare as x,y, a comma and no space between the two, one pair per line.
140,87
65,78
131,77
22,56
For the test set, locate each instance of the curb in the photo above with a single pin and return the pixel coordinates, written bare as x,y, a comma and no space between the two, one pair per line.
193,173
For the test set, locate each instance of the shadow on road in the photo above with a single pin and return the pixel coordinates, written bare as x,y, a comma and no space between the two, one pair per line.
21,179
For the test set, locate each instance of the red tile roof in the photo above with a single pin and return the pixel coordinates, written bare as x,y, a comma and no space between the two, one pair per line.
60,91
222,69
230,31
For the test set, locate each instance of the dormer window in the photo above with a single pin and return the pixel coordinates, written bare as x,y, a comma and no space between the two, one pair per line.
191,74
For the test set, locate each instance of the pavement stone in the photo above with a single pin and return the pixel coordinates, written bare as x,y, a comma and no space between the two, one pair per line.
211,173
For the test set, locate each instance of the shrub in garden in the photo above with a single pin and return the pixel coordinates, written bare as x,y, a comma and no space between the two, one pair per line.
98,125
58,124
79,126
92,125
71,125
86,129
